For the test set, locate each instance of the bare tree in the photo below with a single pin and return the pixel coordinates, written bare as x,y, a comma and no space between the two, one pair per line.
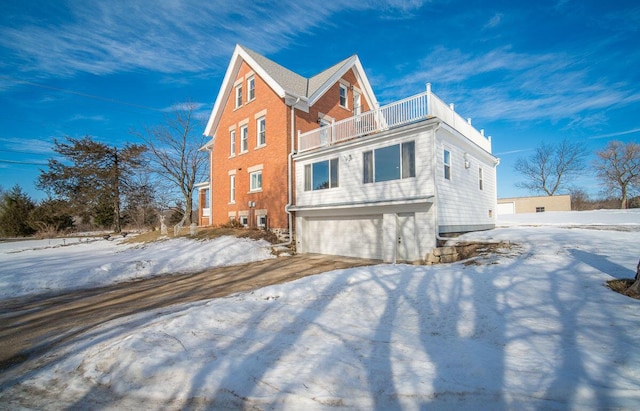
618,169
551,167
175,154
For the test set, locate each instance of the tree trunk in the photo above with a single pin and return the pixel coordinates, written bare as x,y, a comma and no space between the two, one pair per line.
116,192
188,207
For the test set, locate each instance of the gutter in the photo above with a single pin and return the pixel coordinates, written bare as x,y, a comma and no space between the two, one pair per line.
287,207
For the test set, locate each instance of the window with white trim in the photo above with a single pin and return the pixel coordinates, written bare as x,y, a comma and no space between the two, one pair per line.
251,88
232,143
239,95
261,125
389,163
343,96
480,179
447,164
321,175
244,139
232,188
255,181
262,221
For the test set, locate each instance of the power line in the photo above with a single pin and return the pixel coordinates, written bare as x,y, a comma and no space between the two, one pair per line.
77,93
31,163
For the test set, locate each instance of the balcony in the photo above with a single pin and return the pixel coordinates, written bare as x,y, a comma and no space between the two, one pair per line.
400,113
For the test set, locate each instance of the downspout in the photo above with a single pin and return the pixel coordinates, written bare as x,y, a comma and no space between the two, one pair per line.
289,178
435,187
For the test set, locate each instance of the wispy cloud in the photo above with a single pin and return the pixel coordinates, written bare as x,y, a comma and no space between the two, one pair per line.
30,145
616,134
165,36
494,21
503,84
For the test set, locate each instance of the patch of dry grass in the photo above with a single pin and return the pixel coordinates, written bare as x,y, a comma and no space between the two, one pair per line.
206,233
621,286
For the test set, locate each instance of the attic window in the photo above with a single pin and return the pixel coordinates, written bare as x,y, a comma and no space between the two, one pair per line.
251,88
343,96
239,95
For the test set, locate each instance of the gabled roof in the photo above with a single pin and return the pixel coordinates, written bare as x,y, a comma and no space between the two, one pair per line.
294,88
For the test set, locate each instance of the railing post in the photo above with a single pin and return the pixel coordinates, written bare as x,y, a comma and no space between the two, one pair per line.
428,99
332,140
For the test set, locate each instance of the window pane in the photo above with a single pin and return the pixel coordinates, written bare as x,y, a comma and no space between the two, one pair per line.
409,159
256,181
321,175
447,164
334,172
233,142
367,169
239,95
232,191
262,126
387,163
245,139
251,84
343,96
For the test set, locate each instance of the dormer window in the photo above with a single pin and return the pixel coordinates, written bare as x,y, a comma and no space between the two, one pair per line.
343,96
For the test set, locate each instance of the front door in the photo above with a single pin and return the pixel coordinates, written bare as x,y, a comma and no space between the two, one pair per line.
406,237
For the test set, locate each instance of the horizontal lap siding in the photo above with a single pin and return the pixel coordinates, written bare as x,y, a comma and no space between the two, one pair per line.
462,206
351,187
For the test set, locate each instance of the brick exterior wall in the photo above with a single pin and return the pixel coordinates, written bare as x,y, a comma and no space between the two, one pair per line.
272,157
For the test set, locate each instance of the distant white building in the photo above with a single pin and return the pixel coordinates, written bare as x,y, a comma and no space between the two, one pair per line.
536,204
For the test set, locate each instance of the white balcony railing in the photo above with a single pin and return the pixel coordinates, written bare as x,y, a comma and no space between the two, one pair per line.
399,113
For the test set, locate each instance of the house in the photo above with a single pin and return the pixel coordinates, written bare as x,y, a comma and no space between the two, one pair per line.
535,204
350,177
253,125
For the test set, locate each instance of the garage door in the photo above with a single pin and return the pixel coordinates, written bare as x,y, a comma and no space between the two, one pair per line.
506,208
349,236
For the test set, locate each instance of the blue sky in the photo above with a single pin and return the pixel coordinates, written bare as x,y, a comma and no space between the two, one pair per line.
525,72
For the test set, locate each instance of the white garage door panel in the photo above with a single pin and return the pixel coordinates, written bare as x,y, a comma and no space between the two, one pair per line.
349,236
506,208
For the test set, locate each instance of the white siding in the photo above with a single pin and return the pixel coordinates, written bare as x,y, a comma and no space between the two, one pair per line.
462,206
351,189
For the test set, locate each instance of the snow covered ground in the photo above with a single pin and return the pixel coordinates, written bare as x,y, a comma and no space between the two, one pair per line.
533,327
40,266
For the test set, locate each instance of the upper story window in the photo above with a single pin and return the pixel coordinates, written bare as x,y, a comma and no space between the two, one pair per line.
255,181
261,125
239,95
390,163
447,164
251,88
357,103
232,143
343,96
480,179
244,139
321,175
